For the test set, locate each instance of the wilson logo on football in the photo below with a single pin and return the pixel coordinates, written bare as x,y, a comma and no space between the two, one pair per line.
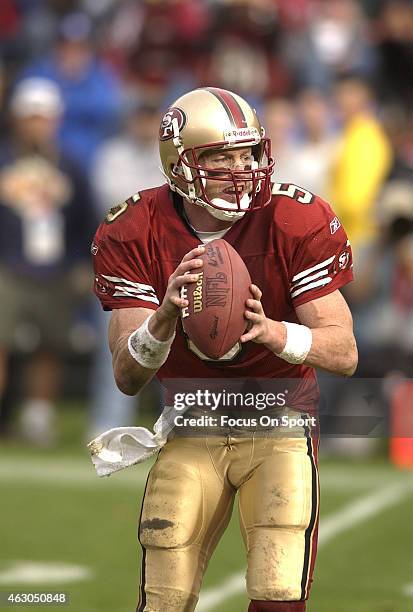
198,293
173,117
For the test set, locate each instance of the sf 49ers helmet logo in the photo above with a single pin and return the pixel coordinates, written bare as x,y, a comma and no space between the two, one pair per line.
166,131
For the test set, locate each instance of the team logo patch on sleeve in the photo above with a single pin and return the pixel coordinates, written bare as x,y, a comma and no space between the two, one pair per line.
334,225
343,260
102,286
122,287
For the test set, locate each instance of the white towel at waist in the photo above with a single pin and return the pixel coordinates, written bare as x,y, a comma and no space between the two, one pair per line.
121,447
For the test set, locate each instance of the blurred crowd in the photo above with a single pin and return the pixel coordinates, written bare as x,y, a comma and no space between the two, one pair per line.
83,84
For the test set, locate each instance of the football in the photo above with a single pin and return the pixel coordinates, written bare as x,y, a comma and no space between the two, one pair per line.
214,318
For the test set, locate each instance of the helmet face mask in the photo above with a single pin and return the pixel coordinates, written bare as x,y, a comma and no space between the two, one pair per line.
207,121
256,177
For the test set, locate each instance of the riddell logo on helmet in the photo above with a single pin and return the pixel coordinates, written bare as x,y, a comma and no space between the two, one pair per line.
166,131
242,134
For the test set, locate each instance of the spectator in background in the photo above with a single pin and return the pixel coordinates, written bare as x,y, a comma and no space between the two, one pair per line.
395,53
398,125
279,119
3,86
11,44
170,42
124,165
90,90
382,297
130,161
244,54
335,42
46,224
303,140
315,143
362,161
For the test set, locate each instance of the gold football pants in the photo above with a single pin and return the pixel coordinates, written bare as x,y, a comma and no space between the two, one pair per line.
188,503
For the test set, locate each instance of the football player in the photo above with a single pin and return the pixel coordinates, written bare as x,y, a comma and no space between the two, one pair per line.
218,166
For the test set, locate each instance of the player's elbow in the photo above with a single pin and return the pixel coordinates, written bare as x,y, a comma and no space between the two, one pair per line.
349,360
127,386
127,383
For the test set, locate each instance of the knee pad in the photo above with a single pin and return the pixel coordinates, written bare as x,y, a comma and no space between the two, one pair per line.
276,606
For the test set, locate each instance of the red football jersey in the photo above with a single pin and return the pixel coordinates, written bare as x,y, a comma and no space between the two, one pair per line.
295,250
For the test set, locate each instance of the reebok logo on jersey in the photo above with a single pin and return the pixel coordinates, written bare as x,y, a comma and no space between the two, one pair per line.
334,225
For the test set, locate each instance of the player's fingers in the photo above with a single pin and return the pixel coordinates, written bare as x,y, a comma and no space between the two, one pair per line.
256,292
179,301
199,250
255,305
252,316
184,279
187,266
251,335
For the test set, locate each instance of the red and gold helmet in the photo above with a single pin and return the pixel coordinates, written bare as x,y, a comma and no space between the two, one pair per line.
204,120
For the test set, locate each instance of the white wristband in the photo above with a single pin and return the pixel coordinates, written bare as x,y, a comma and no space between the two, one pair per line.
146,350
298,345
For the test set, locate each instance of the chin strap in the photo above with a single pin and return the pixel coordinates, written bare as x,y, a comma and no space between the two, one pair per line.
228,215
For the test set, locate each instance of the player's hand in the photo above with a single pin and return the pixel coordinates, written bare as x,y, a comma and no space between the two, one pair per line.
262,330
173,303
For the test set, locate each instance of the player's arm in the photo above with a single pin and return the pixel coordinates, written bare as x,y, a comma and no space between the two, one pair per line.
325,339
130,376
140,338
333,346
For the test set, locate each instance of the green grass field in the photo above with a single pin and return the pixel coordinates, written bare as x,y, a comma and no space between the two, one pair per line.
55,511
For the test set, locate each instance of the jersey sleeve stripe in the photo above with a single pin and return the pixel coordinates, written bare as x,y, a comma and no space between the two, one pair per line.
146,298
135,291
322,264
118,279
319,283
307,279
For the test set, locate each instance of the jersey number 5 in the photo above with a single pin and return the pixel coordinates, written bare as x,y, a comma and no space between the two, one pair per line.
292,191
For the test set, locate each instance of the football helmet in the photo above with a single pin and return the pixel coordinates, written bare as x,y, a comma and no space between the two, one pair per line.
208,119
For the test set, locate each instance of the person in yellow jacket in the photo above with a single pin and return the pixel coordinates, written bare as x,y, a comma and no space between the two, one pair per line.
362,161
